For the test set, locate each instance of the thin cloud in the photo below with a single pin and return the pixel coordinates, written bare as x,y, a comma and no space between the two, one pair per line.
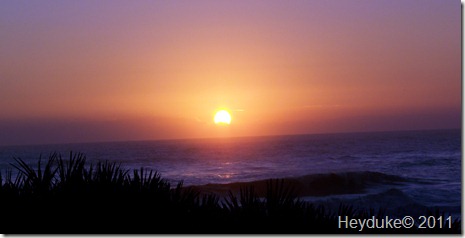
321,106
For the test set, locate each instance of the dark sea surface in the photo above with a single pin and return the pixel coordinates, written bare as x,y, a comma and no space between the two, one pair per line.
424,166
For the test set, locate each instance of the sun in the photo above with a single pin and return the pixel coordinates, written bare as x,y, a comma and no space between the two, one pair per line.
222,117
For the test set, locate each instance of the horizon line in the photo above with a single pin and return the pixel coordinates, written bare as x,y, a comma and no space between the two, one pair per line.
226,137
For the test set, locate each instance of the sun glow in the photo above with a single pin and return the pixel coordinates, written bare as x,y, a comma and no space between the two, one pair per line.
222,117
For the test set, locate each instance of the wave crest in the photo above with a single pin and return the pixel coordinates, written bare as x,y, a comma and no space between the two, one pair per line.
315,184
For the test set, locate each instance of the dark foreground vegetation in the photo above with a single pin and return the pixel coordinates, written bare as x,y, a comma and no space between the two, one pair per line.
70,196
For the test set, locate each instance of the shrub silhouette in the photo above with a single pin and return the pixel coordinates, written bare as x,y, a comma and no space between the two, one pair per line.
73,197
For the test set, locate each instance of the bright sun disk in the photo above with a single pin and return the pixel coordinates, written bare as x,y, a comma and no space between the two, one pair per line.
222,117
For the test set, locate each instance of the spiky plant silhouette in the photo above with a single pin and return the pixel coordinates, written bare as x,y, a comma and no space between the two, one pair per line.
69,196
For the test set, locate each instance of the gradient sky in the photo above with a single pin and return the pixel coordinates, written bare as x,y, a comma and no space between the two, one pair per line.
84,71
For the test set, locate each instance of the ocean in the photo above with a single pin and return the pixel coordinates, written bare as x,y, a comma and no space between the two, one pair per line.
402,169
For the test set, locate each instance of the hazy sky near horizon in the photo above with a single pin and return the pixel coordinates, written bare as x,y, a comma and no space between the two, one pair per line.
82,71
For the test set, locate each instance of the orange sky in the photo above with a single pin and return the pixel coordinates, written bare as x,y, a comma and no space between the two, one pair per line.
90,71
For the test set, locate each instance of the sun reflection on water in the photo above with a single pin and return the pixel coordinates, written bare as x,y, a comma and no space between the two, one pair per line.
226,175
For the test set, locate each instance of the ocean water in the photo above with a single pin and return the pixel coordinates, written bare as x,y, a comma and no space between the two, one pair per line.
428,163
